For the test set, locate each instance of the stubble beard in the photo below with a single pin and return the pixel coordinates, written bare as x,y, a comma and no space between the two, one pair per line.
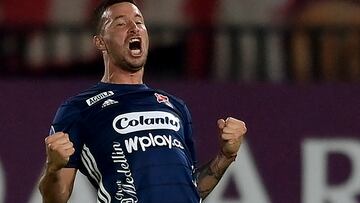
132,66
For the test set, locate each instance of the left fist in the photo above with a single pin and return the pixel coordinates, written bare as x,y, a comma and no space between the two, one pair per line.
232,132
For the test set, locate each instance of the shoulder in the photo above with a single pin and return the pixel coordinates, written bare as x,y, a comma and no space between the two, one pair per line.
74,105
174,99
177,102
88,97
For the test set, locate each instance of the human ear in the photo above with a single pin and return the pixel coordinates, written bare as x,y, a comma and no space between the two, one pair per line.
99,43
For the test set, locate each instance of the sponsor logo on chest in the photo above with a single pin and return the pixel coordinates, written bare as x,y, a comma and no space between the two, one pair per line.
148,120
93,100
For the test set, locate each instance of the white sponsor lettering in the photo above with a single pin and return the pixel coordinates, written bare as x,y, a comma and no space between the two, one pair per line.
126,191
315,162
93,100
142,143
244,174
150,120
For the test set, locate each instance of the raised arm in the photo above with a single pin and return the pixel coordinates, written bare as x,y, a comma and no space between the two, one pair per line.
57,182
232,132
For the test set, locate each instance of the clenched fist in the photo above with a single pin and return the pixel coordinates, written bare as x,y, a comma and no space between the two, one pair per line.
232,132
59,148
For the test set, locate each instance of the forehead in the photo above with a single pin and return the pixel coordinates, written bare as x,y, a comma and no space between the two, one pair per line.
121,9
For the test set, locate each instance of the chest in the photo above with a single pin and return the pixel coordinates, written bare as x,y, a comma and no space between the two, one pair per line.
138,121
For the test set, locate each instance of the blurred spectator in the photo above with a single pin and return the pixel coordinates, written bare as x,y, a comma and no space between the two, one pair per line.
215,53
216,39
247,48
23,12
1,12
191,52
167,12
166,23
18,14
326,41
201,15
44,36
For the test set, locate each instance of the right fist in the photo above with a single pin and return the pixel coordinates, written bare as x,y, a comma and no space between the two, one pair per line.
59,148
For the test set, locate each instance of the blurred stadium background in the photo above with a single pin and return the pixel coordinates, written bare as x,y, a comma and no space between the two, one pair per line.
289,68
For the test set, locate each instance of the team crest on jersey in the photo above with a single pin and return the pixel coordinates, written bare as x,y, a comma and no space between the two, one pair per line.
93,100
163,99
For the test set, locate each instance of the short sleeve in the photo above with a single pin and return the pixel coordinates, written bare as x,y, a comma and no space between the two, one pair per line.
188,133
67,120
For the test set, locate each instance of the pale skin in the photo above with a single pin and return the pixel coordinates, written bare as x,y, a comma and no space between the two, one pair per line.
122,23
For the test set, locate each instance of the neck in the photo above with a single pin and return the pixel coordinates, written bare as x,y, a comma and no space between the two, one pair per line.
118,75
123,77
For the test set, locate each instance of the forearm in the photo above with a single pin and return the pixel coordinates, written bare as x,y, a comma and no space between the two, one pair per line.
210,174
52,188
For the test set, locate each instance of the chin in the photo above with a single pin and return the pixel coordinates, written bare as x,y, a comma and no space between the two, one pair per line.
132,64
131,67
137,63
135,69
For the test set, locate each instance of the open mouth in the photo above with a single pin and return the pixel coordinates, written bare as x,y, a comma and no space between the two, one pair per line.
135,46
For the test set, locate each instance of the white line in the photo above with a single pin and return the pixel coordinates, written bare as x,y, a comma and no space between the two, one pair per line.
93,170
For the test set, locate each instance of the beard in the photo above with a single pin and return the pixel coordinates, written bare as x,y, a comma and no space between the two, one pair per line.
131,67
131,64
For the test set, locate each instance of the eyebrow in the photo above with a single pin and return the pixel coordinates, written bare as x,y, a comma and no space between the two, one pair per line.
122,16
117,17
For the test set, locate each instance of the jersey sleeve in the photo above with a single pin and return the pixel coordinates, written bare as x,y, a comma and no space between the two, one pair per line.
188,133
67,120
183,110
189,140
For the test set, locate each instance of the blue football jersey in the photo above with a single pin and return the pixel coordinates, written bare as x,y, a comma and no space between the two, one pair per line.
134,143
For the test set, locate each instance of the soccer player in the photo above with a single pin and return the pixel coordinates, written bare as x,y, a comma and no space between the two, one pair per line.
134,143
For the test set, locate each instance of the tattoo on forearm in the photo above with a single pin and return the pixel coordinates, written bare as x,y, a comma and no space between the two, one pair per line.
209,175
215,171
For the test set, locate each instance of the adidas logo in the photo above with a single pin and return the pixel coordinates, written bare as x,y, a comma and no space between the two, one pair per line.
109,102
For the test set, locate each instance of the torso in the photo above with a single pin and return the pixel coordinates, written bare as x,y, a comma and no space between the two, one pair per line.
136,144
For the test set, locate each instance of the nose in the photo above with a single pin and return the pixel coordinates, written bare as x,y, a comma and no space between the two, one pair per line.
133,28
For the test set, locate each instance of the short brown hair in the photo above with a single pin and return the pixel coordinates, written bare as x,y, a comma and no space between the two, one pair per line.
97,20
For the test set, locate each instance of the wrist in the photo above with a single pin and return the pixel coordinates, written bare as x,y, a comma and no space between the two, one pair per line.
51,169
228,157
